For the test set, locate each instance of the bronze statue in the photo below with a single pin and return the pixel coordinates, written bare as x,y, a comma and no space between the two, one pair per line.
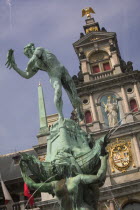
44,60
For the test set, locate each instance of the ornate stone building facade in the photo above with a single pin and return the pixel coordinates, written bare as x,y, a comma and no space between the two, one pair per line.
111,102
110,93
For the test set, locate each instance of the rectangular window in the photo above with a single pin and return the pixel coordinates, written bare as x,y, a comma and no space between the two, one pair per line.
133,105
106,66
95,69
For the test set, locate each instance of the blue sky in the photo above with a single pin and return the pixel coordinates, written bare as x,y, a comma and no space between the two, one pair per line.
52,24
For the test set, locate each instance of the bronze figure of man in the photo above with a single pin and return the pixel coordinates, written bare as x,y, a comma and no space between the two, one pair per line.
42,59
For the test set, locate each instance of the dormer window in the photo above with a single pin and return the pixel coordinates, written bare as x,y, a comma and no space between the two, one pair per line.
95,69
99,62
101,67
106,66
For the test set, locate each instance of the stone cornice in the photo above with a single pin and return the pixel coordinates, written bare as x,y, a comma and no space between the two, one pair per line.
105,34
119,190
109,82
124,130
89,43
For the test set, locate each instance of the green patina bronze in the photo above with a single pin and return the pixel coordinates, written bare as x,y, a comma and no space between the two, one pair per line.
73,171
42,59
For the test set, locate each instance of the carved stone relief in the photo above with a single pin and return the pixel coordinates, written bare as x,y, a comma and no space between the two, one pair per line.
98,56
120,155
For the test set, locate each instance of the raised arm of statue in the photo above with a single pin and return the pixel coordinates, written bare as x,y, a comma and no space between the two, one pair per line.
30,71
42,187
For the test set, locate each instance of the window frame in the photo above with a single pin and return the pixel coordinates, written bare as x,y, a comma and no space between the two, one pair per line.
90,115
136,104
101,67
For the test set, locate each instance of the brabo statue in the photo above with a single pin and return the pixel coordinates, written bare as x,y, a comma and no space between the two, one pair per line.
42,59
73,169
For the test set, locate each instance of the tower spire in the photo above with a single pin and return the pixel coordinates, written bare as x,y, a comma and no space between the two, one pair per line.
42,111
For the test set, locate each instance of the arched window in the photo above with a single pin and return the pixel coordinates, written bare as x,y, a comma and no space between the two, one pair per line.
133,105
132,206
88,117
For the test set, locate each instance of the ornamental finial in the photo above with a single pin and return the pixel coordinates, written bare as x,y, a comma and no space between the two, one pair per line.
87,12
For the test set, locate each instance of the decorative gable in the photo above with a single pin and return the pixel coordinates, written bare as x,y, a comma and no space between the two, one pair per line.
94,37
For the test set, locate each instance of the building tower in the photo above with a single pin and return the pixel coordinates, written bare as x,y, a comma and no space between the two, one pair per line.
109,90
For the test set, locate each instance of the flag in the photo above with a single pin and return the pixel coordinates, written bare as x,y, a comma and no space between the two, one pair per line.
28,194
7,196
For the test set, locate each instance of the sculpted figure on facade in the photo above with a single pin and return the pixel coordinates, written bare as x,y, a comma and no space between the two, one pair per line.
42,59
111,109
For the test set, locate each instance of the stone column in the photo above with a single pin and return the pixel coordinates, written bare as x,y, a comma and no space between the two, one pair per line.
94,114
129,116
137,94
115,62
88,68
84,66
111,205
84,69
114,59
93,108
137,149
122,116
125,100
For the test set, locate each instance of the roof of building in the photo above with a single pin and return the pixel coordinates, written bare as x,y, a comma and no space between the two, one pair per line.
9,169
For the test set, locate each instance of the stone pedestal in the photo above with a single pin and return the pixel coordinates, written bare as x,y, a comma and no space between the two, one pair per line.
67,136
74,170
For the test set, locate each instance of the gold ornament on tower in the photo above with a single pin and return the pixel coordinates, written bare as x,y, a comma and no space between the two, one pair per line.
87,12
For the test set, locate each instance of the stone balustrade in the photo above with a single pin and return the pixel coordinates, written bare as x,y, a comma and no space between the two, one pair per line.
101,75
